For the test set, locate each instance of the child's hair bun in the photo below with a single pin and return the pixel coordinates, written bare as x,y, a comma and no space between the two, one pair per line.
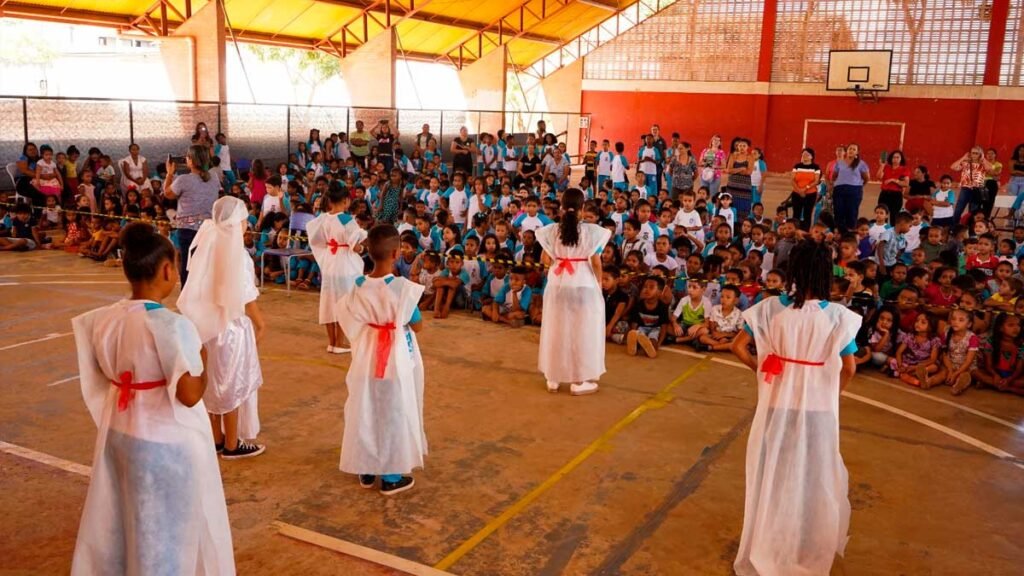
144,251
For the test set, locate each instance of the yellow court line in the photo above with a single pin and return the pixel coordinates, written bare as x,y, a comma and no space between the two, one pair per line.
659,400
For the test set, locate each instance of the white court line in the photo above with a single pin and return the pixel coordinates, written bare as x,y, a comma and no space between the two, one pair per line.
29,454
75,377
717,359
53,336
1001,454
957,405
971,440
122,281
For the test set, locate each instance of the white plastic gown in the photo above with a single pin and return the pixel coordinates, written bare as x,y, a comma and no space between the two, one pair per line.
572,333
333,238
155,503
383,414
221,282
797,511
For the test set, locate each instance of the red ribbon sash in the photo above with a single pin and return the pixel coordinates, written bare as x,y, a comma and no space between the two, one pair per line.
385,339
334,245
566,265
128,388
772,365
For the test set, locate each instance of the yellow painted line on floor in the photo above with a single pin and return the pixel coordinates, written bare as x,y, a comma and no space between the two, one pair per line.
300,360
663,397
907,390
30,454
352,549
966,439
53,336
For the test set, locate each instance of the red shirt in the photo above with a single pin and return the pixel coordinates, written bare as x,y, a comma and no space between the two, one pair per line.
934,297
898,173
907,320
988,265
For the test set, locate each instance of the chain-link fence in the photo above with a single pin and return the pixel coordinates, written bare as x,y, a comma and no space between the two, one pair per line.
265,131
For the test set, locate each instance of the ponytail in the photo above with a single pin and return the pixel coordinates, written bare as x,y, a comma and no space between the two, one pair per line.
569,225
200,156
810,272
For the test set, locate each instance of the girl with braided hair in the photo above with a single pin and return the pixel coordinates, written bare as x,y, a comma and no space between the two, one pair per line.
797,512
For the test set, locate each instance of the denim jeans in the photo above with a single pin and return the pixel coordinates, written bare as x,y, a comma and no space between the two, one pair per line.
185,238
1016,187
968,197
712,185
847,201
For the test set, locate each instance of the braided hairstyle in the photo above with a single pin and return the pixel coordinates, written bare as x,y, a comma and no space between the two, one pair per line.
809,272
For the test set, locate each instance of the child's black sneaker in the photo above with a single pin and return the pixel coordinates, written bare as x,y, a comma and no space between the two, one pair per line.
243,450
392,488
367,480
219,447
700,347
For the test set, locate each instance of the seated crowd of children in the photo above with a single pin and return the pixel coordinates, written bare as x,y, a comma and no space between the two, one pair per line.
941,304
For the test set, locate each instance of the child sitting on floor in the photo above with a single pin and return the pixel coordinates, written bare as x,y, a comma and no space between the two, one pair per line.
649,321
511,304
451,286
688,317
723,323
917,351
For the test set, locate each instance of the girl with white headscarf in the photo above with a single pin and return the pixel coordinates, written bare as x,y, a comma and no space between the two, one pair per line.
220,299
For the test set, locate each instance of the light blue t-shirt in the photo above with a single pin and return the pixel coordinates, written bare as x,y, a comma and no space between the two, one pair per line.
846,176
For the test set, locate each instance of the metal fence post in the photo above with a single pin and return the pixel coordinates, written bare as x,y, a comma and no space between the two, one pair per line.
288,132
24,117
131,123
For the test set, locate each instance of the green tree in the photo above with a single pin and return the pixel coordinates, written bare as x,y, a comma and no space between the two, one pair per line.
305,67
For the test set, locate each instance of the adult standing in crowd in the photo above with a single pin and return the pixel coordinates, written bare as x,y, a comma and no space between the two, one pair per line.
385,143
195,192
359,144
390,202
973,168
529,163
851,173
895,179
423,138
920,190
738,169
683,169
201,137
992,174
134,171
711,160
659,143
462,153
27,172
806,181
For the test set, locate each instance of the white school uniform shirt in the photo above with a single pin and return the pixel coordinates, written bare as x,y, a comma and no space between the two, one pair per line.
797,510
490,154
671,263
620,219
877,231
343,153
689,220
510,162
432,200
647,167
619,165
271,204
604,163
732,322
913,237
944,196
384,411
154,454
458,205
333,238
526,222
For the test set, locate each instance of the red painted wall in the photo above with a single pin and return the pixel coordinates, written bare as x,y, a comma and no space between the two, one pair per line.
937,132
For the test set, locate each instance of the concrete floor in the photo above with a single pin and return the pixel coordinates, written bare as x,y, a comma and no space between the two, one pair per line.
645,478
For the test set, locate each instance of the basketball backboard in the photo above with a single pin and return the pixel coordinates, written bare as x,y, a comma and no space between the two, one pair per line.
859,70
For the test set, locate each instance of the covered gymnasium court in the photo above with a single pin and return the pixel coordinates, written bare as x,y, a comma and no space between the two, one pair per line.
645,477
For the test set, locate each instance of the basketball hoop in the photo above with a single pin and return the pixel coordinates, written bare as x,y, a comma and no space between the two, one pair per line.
866,95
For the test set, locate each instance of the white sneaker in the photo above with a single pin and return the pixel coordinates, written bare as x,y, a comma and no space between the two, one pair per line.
583,388
330,349
553,386
340,350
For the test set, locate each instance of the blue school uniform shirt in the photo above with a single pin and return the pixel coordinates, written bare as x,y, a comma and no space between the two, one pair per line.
493,285
504,297
463,276
531,222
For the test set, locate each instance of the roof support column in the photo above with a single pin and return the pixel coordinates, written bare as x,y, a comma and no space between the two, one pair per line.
369,72
204,60
563,91
764,73
993,61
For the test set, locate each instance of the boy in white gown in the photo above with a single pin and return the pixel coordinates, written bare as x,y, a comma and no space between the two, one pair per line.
573,332
797,511
384,433
155,503
220,299
336,240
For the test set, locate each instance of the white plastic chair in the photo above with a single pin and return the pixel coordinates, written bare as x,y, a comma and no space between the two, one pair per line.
12,172
297,223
